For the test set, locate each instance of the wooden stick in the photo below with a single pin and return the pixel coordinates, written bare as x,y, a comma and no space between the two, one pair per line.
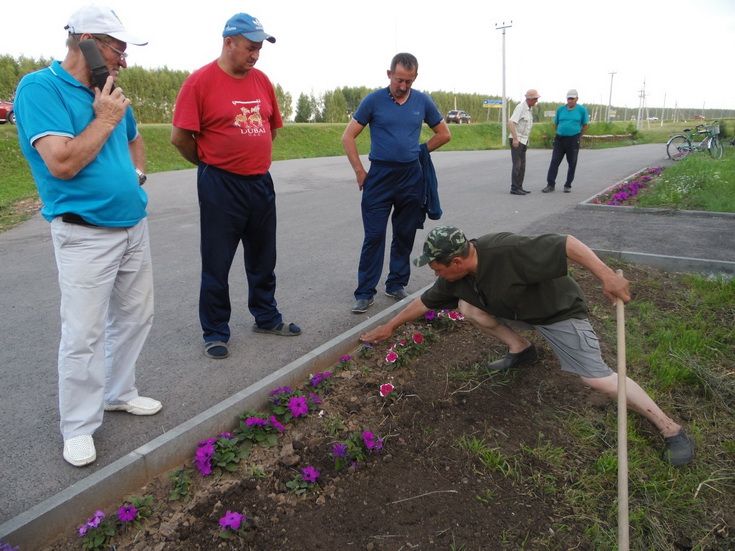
623,531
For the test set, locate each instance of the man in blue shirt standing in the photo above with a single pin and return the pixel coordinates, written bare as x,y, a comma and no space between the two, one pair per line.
87,158
395,179
571,121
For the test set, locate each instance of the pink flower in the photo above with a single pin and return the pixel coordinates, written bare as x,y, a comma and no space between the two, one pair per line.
417,338
386,389
456,316
391,357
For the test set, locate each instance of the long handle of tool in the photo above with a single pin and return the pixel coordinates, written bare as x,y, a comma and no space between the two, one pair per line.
623,529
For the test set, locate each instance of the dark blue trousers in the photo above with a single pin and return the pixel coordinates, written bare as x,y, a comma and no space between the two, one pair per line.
563,145
389,186
236,209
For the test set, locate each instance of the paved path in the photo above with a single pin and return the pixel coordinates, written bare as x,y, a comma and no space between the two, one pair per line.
319,236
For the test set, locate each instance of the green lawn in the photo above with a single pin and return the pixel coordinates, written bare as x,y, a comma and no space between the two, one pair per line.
697,182
299,141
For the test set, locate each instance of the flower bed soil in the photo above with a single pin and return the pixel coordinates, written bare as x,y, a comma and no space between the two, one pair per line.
423,491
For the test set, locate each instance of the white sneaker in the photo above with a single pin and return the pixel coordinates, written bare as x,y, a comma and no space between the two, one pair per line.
79,451
137,406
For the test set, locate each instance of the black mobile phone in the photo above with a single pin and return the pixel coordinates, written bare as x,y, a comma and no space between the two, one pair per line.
94,60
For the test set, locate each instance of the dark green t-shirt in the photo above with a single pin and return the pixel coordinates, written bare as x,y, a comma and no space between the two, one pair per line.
518,278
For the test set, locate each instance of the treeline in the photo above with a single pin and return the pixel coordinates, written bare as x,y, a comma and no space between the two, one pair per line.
153,93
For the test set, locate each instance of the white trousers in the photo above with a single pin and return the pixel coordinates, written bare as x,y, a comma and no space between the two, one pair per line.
106,283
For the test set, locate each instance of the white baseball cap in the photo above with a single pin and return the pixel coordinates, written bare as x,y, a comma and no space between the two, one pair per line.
101,20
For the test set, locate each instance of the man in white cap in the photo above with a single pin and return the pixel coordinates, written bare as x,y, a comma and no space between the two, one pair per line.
225,121
520,124
87,159
571,121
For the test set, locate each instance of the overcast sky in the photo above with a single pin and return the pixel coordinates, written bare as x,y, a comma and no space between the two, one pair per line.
681,48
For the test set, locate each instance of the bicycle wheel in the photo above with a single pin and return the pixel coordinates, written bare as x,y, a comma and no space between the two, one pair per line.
715,147
678,147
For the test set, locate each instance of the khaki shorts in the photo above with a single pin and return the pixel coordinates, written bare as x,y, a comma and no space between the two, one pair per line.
575,344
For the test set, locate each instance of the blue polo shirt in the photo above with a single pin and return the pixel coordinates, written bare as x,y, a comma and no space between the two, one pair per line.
51,102
569,122
395,129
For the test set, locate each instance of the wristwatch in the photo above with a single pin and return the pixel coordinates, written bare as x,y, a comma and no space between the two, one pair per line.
141,176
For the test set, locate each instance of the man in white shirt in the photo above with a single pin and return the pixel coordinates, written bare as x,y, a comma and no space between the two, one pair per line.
520,124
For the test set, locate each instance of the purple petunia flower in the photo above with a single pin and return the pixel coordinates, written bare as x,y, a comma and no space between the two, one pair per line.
276,424
127,513
298,406
203,456
232,520
346,358
319,378
255,422
95,521
226,435
281,390
82,530
430,315
372,443
310,474
314,399
339,450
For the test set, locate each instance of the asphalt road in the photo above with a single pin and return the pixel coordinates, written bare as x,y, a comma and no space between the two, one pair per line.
319,237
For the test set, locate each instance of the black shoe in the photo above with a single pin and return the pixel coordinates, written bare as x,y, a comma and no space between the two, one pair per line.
526,191
217,350
398,294
513,359
547,189
678,449
567,189
361,305
517,192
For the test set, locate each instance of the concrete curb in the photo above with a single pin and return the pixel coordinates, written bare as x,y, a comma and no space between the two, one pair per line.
645,210
106,488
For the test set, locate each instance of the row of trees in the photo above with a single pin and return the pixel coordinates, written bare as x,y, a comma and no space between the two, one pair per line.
153,93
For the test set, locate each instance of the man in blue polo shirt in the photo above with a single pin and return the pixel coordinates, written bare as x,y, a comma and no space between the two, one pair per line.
87,159
395,179
571,121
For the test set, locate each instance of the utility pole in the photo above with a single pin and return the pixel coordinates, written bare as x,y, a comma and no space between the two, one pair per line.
504,105
663,111
609,100
642,109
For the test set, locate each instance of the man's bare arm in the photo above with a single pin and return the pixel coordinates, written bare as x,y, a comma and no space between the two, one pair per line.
184,141
414,310
613,285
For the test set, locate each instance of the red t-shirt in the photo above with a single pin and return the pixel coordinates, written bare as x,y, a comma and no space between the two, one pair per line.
232,118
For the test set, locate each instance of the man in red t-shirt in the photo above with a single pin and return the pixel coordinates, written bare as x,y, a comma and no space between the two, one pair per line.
225,121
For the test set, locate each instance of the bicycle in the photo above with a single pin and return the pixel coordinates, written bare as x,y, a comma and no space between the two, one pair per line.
681,145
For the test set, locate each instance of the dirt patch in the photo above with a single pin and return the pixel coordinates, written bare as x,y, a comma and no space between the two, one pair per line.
471,460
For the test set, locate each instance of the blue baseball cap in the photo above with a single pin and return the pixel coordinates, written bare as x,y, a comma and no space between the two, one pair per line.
247,26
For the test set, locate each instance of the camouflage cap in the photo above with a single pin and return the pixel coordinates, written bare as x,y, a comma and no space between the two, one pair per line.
442,243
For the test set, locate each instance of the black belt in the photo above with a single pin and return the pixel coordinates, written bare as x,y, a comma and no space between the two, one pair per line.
71,218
